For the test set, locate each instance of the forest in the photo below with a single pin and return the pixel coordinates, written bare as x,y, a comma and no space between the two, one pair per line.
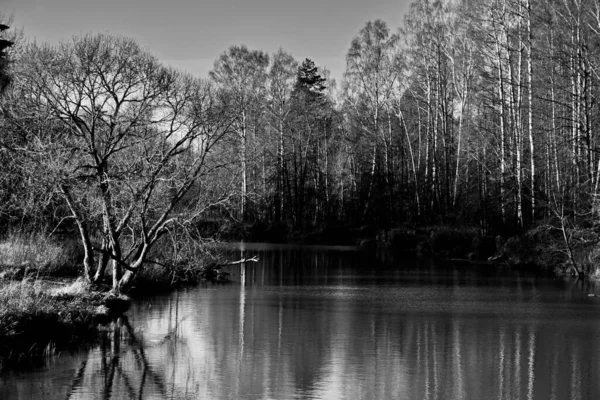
472,113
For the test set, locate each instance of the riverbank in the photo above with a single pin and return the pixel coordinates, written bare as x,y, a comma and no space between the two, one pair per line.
43,305
37,316
46,305
547,247
40,315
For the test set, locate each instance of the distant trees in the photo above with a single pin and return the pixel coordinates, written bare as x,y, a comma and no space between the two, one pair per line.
308,145
372,76
280,84
499,103
242,74
283,120
472,113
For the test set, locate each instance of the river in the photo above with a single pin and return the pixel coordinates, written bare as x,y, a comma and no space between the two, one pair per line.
337,323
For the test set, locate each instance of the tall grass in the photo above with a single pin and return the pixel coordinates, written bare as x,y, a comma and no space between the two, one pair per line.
45,254
18,299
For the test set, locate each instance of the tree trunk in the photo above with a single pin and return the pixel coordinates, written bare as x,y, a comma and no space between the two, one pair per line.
243,161
530,106
88,252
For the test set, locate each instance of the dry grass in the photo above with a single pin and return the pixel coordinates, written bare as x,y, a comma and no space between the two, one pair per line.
36,318
27,304
39,252
78,287
25,298
19,299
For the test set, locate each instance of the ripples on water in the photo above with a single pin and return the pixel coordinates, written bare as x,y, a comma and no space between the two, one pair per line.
333,323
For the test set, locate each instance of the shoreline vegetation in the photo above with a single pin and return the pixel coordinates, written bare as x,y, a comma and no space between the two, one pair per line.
46,304
548,247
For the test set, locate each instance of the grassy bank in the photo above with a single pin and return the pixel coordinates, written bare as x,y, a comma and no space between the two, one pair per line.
37,316
44,305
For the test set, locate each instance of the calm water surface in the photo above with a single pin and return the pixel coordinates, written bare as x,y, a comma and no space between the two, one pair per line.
334,323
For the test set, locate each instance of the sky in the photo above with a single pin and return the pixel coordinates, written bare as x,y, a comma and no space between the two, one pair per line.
191,34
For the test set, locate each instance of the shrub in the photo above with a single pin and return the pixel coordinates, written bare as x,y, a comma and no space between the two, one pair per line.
453,242
541,247
400,239
233,230
177,260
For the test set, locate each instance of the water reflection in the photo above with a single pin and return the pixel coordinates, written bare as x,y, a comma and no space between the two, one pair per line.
336,324
120,368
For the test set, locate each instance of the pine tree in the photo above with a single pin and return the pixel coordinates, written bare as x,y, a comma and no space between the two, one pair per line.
309,79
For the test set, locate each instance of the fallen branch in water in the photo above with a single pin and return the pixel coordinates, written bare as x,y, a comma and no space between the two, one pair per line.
243,260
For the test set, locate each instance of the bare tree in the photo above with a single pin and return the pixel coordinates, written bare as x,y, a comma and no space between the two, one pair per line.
371,75
242,73
120,138
282,76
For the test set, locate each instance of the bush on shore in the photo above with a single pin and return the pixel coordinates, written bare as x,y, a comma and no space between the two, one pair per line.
449,242
541,248
179,260
440,241
403,239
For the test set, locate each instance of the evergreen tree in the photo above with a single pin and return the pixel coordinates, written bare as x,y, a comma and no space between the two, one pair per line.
309,79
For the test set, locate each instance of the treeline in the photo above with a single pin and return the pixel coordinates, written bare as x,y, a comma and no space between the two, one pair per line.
479,113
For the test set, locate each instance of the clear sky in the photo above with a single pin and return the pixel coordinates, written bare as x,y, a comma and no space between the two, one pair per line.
190,34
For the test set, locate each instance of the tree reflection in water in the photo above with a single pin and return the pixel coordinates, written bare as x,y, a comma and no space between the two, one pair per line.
120,366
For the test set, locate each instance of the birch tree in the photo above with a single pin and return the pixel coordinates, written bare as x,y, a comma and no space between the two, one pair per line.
281,81
371,75
242,73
